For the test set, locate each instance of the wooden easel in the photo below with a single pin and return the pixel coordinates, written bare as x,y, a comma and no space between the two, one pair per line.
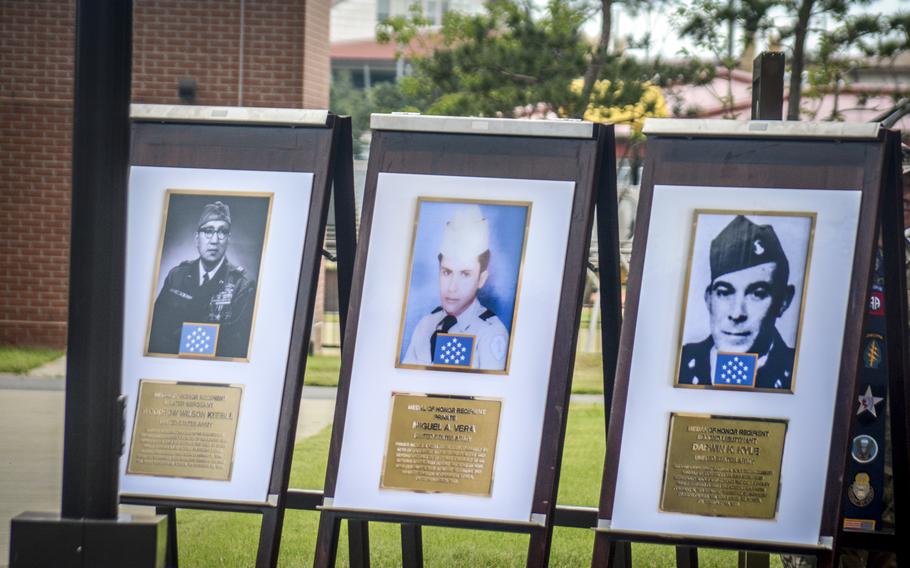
490,156
767,94
326,152
879,175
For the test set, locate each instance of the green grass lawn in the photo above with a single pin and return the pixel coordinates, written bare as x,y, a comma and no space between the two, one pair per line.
24,359
322,370
213,539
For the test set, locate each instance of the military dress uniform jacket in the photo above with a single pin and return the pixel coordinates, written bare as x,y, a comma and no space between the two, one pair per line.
227,299
490,344
775,373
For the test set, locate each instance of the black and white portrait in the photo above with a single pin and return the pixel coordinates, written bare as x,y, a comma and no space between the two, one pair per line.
205,282
743,300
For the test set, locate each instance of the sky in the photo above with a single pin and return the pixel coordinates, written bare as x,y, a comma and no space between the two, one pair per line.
665,41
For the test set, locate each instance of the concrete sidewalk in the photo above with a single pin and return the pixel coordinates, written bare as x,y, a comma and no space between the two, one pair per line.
31,443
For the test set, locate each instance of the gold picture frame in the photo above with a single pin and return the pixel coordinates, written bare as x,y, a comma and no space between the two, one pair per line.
514,316
811,216
214,195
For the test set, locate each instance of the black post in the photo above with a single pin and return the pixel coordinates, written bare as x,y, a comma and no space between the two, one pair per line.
88,532
768,86
171,559
686,557
101,129
767,104
359,544
345,216
753,560
411,546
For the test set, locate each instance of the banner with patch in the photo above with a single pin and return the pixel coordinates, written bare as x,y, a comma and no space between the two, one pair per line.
454,350
863,499
876,304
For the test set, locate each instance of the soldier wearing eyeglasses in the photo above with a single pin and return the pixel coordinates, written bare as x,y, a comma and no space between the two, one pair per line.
207,289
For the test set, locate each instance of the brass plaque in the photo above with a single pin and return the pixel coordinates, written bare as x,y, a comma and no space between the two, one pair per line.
441,444
185,430
723,466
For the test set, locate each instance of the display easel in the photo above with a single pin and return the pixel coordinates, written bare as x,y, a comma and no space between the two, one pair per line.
502,149
788,155
767,94
264,140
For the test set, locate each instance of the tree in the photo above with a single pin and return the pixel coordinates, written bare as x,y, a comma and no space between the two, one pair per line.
699,21
804,13
840,51
516,57
713,25
359,104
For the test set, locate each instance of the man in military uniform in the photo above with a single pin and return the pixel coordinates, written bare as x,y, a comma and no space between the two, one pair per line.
749,290
464,258
207,289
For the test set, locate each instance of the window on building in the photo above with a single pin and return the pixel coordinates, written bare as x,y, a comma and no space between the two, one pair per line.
429,10
382,10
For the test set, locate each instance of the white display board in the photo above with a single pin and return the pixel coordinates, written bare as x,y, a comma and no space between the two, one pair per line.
276,253
522,386
809,409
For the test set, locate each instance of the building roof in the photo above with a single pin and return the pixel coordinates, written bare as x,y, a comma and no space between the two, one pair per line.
857,102
371,50
368,49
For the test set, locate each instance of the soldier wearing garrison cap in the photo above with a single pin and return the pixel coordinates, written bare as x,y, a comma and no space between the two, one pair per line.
464,258
207,289
749,290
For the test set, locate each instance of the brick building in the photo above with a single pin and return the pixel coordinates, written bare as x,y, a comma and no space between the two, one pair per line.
270,53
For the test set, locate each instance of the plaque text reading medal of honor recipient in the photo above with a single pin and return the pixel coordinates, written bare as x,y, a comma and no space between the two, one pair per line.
185,430
723,467
441,444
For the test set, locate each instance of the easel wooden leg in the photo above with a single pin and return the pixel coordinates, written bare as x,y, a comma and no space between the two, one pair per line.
610,553
270,538
358,543
170,558
539,547
686,557
622,555
754,559
327,540
411,546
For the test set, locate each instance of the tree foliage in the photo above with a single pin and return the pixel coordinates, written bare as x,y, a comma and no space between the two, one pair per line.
515,59
727,28
345,99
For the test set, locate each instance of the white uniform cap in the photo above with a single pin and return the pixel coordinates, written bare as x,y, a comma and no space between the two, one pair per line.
466,234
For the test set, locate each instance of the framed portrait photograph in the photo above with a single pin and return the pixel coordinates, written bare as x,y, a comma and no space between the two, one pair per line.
743,299
489,253
206,271
465,301
210,296
464,276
